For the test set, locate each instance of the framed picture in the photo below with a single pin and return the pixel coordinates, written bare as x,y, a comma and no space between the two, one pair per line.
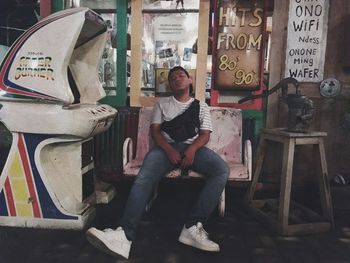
166,53
187,54
166,58
162,85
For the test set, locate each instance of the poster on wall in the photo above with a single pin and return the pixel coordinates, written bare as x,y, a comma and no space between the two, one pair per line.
237,62
306,40
169,28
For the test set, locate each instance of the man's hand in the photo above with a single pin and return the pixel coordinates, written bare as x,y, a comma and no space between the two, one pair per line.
188,157
190,152
173,155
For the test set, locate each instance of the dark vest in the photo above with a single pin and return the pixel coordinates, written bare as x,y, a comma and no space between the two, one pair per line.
185,125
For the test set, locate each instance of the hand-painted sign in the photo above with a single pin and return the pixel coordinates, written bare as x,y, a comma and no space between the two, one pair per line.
237,59
306,41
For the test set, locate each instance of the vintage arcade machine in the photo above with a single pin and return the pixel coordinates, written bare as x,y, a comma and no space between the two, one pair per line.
49,88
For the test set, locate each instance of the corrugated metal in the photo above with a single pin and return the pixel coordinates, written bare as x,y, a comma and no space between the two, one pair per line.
108,146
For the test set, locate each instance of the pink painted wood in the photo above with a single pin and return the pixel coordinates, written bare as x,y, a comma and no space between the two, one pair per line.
226,140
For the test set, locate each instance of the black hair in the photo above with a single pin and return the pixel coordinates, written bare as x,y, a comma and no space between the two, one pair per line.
176,68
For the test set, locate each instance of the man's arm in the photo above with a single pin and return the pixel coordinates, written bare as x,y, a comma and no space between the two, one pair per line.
190,152
159,139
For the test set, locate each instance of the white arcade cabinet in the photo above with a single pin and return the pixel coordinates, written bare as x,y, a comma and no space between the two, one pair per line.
49,88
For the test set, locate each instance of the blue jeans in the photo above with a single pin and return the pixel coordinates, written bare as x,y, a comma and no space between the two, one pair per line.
156,165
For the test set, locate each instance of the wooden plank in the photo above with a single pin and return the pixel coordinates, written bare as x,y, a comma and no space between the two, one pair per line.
259,163
308,228
274,137
298,213
136,56
302,227
260,203
286,184
301,141
276,68
148,101
202,44
263,218
308,214
324,186
283,132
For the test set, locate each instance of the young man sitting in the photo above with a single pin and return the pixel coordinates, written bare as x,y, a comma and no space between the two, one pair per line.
180,128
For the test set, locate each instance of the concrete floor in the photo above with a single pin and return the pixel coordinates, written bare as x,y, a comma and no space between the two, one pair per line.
241,237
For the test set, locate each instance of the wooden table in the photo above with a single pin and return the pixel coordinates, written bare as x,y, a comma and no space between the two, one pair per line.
281,223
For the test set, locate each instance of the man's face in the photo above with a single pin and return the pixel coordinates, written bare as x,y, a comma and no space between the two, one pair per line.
179,81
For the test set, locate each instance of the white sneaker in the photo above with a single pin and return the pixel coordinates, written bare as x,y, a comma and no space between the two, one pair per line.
111,241
197,237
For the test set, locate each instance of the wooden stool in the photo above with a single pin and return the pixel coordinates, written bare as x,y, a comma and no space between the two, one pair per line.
281,223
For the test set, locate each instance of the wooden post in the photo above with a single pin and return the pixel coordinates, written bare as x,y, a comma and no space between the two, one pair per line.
278,42
202,44
286,184
136,56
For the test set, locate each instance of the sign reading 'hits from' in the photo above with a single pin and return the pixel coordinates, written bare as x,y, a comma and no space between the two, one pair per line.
239,44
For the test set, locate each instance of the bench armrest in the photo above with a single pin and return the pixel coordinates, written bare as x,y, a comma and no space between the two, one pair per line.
248,158
127,151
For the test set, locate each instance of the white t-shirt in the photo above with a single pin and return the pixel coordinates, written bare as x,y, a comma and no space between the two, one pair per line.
168,108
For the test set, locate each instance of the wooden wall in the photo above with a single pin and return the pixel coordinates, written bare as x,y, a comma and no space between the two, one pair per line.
327,111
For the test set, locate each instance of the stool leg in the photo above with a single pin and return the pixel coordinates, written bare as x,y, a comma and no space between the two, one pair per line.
324,186
286,184
259,163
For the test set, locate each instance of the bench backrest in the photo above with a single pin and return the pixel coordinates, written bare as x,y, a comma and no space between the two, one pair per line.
225,140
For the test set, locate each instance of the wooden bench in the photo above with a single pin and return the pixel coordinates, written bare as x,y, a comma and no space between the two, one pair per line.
225,140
